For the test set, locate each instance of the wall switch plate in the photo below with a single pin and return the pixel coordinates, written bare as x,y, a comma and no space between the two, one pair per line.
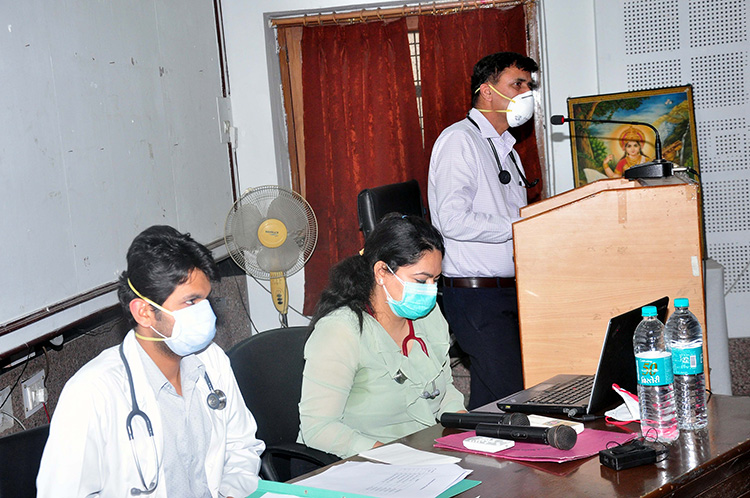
6,422
30,388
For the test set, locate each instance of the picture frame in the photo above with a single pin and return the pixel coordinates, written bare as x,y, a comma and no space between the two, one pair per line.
606,150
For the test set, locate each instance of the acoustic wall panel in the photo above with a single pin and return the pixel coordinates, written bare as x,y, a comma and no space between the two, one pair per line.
646,44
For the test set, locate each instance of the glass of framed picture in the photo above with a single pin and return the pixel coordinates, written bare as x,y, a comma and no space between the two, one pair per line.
607,150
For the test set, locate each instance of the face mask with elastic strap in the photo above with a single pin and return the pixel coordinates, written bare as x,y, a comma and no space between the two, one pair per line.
520,108
417,301
194,327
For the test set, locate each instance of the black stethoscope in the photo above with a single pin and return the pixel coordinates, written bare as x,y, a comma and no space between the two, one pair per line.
503,174
216,400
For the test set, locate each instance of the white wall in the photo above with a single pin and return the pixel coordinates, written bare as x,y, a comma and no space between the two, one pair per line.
568,58
109,125
568,54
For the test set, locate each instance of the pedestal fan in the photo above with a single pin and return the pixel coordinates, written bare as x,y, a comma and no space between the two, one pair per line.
270,232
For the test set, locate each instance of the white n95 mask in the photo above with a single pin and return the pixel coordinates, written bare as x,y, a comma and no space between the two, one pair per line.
520,108
194,327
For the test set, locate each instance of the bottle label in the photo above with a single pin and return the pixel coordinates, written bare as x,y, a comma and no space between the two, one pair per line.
654,368
687,361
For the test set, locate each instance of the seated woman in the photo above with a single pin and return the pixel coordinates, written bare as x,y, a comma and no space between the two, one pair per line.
377,365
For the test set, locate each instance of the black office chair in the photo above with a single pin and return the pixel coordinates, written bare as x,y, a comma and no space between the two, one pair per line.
20,456
374,203
268,367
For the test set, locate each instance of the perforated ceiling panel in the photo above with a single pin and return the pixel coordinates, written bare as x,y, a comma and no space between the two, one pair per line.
727,22
703,43
650,26
725,205
723,145
734,257
654,74
719,79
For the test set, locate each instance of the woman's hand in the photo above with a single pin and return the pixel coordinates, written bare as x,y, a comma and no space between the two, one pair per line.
607,170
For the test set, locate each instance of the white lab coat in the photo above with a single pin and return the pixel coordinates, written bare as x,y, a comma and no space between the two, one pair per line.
88,452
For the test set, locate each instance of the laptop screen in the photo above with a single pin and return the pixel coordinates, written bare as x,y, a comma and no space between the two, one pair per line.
617,360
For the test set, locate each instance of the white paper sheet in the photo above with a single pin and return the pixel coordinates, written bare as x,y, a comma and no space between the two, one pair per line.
400,454
388,481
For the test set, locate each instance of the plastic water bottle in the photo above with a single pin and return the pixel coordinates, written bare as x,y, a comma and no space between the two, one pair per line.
685,336
654,369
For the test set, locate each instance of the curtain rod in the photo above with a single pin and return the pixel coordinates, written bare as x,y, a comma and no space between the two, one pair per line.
378,14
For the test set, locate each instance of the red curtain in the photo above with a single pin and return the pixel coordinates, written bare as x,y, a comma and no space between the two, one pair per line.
361,130
450,45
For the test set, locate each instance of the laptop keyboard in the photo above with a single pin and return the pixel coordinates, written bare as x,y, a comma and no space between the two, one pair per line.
573,391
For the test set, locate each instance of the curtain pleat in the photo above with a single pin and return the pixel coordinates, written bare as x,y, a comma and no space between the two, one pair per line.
450,45
361,130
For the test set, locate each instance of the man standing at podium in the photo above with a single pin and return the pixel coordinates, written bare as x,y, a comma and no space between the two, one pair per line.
476,188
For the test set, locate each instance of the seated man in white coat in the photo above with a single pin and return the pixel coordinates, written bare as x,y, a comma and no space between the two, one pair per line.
160,414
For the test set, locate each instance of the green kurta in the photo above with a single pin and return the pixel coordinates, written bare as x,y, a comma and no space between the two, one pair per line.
351,394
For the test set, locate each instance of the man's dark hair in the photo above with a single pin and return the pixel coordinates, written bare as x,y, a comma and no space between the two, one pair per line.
490,67
159,259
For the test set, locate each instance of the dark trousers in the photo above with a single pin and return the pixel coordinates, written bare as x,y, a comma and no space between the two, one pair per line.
485,324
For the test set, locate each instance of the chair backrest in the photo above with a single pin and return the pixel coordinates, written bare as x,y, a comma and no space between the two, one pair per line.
268,367
20,456
374,203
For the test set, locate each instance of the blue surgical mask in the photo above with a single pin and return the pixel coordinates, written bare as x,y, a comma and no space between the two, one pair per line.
417,300
194,327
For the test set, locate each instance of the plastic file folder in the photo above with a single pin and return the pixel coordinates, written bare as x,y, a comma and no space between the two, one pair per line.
304,491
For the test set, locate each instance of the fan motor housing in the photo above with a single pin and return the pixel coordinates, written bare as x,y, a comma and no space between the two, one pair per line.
272,233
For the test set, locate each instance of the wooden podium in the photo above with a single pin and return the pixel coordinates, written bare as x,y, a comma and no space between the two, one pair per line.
595,252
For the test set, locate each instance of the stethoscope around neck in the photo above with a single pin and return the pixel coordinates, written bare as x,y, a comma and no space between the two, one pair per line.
503,174
216,400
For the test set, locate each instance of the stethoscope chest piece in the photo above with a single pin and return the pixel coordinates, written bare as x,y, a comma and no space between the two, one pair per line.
504,176
217,400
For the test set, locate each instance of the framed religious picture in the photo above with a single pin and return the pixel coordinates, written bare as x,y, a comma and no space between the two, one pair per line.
607,150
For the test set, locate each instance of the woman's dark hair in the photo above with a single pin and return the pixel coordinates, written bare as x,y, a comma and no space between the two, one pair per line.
159,259
489,68
397,240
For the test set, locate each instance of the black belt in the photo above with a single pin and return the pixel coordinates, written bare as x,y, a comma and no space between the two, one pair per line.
479,282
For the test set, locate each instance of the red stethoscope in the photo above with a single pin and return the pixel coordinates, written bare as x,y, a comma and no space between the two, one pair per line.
412,335
409,337
400,378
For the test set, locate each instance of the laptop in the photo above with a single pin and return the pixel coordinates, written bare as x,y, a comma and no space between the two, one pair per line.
575,395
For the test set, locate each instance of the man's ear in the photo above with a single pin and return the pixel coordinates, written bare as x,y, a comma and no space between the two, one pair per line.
485,92
142,312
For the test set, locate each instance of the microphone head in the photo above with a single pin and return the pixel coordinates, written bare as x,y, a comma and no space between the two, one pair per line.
561,437
557,119
516,419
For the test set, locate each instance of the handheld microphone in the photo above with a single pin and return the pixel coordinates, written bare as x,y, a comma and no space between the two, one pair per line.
559,436
470,420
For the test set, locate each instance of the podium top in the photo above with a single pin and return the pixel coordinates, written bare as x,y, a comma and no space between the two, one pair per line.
601,186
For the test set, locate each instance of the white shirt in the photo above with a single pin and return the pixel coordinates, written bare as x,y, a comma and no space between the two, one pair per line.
188,431
469,205
88,452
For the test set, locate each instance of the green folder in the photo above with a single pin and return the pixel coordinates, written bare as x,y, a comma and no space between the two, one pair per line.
307,492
